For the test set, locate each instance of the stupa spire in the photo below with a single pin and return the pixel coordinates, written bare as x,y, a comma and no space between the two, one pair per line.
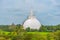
31,14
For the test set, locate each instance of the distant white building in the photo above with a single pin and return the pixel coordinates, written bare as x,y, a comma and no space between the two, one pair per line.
32,22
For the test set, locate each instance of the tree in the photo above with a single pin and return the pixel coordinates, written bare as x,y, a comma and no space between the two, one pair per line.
12,27
43,28
28,29
20,33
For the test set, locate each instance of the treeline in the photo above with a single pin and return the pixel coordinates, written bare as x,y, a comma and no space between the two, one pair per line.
9,27
43,28
51,28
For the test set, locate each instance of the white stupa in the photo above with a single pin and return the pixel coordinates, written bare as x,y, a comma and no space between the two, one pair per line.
32,22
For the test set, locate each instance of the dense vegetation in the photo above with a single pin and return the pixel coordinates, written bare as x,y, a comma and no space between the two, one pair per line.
16,32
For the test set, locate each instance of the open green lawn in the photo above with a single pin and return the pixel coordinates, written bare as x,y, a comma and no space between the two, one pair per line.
44,33
39,33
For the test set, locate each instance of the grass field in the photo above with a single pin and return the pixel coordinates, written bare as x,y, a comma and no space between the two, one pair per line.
44,33
40,33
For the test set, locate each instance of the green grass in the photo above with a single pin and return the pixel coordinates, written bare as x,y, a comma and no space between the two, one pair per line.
33,33
42,33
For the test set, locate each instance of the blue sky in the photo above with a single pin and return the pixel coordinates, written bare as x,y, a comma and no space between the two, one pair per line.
16,11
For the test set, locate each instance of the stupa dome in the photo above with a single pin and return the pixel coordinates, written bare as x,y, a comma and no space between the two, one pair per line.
32,22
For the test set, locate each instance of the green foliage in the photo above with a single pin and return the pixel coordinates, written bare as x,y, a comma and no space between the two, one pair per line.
50,28
43,28
30,35
57,35
28,29
16,32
